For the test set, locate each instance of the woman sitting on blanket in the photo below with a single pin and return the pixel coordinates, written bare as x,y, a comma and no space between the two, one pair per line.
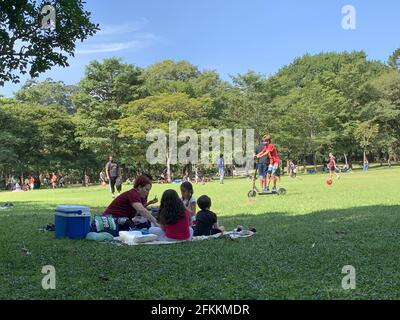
130,208
173,218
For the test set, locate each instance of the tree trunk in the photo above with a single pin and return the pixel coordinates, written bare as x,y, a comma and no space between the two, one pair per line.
345,159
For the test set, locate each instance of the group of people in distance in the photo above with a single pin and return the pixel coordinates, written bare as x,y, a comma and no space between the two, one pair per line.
176,217
268,164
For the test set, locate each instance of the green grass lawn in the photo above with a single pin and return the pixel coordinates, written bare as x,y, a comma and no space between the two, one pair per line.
303,240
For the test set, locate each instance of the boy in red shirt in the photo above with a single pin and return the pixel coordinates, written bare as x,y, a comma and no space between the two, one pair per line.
274,161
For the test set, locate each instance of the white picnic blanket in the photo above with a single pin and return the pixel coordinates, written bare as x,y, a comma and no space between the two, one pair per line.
154,240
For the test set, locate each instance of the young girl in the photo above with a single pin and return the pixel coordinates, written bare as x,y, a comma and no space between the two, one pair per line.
53,180
188,201
173,218
332,166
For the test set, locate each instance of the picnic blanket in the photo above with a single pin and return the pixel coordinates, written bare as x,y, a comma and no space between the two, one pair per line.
153,239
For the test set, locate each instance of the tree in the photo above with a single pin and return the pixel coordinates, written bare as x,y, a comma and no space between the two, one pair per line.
349,75
169,76
155,112
249,103
18,139
26,45
48,92
38,139
105,87
307,116
384,110
365,132
113,81
394,60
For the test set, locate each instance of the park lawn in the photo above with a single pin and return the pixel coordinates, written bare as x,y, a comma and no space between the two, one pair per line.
303,241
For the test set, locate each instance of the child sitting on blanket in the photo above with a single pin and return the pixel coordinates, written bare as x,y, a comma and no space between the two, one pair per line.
173,218
188,200
206,220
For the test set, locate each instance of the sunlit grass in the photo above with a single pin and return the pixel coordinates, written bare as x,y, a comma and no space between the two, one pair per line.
303,240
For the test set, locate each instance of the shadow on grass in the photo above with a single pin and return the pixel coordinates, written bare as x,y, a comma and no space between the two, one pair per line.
356,217
290,257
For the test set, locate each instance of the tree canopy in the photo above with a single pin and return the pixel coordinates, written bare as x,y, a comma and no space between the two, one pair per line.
26,46
329,102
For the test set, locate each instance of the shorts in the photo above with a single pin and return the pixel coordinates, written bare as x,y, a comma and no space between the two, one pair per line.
272,168
262,169
331,168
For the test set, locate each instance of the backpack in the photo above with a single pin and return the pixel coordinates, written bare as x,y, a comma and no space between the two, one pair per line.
104,224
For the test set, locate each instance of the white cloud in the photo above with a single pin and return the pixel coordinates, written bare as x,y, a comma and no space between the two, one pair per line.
126,28
112,47
113,38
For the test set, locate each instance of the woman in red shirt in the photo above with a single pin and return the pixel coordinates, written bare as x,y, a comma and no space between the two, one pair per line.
173,218
131,204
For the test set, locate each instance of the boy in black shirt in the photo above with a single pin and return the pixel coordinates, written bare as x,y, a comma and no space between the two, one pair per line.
206,220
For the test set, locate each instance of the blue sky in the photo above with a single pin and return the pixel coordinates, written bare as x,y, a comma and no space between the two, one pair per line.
230,36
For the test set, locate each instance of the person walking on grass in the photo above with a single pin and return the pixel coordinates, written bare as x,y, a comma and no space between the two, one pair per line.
53,180
366,164
221,164
332,166
112,175
31,183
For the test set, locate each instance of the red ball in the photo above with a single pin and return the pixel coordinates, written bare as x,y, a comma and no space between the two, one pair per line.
329,181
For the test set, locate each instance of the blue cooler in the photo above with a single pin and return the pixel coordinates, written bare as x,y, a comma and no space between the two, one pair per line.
72,222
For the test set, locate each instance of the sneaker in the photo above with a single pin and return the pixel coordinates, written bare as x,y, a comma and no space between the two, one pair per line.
238,229
266,190
273,189
6,205
51,227
113,197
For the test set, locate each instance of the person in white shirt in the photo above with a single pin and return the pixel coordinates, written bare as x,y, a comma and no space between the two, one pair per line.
188,200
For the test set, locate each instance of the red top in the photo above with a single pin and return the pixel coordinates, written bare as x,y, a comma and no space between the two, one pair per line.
122,206
273,153
54,178
331,162
179,230
31,180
